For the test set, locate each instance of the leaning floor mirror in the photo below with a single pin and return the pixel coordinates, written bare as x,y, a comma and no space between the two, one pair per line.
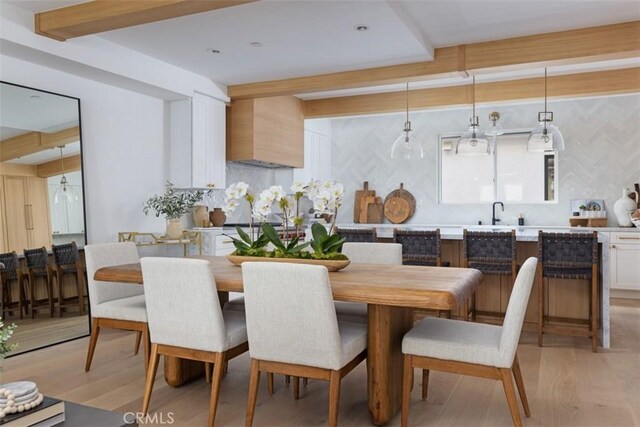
42,218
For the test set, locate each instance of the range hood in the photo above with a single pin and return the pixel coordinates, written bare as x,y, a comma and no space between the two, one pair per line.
266,132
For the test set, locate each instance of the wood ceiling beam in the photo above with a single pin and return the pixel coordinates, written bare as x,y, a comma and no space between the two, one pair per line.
54,167
447,62
609,82
615,41
104,15
33,142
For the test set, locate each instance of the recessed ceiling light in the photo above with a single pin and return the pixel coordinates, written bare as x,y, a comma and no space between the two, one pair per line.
213,51
361,28
256,44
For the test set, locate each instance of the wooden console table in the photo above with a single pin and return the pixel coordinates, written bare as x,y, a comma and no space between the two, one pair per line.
188,238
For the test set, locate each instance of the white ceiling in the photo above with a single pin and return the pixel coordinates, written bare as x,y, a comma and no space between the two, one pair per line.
313,37
318,36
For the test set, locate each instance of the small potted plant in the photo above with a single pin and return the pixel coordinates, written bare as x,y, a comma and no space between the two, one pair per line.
5,348
583,210
173,204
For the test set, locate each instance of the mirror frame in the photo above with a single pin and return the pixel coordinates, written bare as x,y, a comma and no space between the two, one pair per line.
84,209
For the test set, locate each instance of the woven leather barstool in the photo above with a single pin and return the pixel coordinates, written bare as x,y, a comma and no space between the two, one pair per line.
419,247
38,269
361,235
11,272
568,256
67,263
491,252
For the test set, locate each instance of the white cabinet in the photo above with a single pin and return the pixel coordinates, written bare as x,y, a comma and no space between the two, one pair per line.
625,260
317,152
197,142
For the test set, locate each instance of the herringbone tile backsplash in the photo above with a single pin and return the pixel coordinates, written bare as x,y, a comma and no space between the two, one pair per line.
602,155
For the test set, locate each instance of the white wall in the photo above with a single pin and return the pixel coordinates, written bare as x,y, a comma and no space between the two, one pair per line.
123,147
602,156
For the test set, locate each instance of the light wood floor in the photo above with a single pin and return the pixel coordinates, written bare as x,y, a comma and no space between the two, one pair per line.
43,330
567,384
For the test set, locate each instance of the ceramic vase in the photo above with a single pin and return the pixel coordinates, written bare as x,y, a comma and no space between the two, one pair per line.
200,215
174,228
623,208
217,217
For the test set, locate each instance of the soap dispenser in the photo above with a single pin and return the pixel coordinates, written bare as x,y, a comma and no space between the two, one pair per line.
521,219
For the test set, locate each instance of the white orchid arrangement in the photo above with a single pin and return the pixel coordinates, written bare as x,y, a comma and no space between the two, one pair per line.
326,198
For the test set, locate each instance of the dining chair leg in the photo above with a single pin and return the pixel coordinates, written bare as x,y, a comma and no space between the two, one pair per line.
216,382
296,388
207,372
151,377
270,383
334,397
510,393
95,330
406,388
136,347
473,306
147,345
254,381
425,383
517,374
287,379
465,310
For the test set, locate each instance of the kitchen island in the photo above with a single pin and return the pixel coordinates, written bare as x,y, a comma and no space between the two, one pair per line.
568,299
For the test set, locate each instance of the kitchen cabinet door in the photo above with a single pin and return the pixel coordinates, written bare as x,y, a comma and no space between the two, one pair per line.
625,268
208,142
16,213
39,229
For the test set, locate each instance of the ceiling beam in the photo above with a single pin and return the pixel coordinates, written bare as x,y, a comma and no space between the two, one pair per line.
33,142
54,167
610,82
447,62
566,47
104,15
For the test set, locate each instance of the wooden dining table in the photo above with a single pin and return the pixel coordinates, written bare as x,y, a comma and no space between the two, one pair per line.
391,292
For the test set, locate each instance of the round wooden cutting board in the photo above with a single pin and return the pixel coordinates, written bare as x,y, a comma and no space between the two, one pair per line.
399,205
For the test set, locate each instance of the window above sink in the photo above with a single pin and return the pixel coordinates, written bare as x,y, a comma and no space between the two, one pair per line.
510,173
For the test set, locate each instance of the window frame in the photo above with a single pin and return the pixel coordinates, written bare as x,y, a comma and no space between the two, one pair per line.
493,153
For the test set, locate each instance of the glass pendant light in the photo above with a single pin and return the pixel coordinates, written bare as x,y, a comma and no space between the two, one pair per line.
407,146
545,137
473,142
495,128
65,193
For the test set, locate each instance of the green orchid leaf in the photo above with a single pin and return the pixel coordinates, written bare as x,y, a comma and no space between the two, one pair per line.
243,235
273,236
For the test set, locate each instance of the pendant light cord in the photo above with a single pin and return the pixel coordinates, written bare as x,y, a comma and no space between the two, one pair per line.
545,90
473,97
407,102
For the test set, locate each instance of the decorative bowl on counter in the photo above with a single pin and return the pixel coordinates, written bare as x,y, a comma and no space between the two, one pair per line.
332,265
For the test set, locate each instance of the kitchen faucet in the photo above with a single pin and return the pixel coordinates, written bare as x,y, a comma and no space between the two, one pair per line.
493,217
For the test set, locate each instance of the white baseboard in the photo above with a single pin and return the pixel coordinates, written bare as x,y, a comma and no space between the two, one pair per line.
624,293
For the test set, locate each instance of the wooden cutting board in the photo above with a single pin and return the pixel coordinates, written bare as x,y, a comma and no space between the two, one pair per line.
361,196
365,202
399,205
375,211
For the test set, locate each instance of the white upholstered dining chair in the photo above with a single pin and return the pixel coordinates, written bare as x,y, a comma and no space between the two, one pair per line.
115,305
475,349
293,328
366,253
186,320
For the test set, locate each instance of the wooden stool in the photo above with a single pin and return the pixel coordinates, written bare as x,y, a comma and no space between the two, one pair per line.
568,256
9,272
362,235
38,268
493,253
67,262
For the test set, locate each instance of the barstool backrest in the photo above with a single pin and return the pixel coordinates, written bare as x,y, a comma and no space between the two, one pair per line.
37,259
11,265
492,252
66,254
419,247
568,255
367,235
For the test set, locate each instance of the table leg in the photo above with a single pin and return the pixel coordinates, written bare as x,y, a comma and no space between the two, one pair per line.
387,326
180,371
